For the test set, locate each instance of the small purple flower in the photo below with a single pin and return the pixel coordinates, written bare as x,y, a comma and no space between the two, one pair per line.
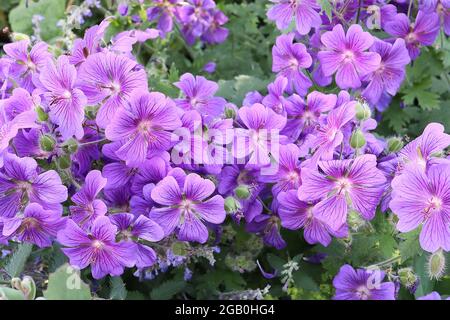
89,45
87,208
421,152
98,248
330,134
423,198
303,116
304,12
390,73
422,33
163,11
66,103
110,79
21,183
296,214
288,61
145,125
21,101
346,55
263,126
215,33
185,206
132,228
362,284
287,176
210,67
10,129
268,226
26,64
341,184
275,99
199,95
36,225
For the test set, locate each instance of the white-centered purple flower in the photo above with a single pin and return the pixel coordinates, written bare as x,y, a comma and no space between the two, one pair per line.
346,55
97,248
185,205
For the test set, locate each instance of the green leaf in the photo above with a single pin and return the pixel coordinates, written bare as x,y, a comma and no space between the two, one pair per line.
65,284
304,281
168,289
118,290
275,261
16,264
410,247
52,11
425,283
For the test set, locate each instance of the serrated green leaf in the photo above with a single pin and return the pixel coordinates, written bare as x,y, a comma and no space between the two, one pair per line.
16,263
409,247
168,289
65,284
118,290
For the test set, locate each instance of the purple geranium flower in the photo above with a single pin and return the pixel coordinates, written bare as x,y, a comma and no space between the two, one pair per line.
215,33
422,33
26,64
87,208
199,95
330,134
185,206
390,73
262,134
421,152
303,116
346,55
305,13
275,99
357,181
362,284
136,228
21,183
98,248
296,214
423,198
288,61
109,79
268,226
36,225
145,125
21,101
9,129
287,176
163,11
66,103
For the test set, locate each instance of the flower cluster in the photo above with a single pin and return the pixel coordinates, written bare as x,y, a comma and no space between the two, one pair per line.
196,19
93,159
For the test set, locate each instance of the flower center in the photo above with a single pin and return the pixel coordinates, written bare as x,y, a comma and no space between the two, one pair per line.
348,56
434,204
343,184
144,126
411,37
186,204
363,293
66,94
115,87
97,244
